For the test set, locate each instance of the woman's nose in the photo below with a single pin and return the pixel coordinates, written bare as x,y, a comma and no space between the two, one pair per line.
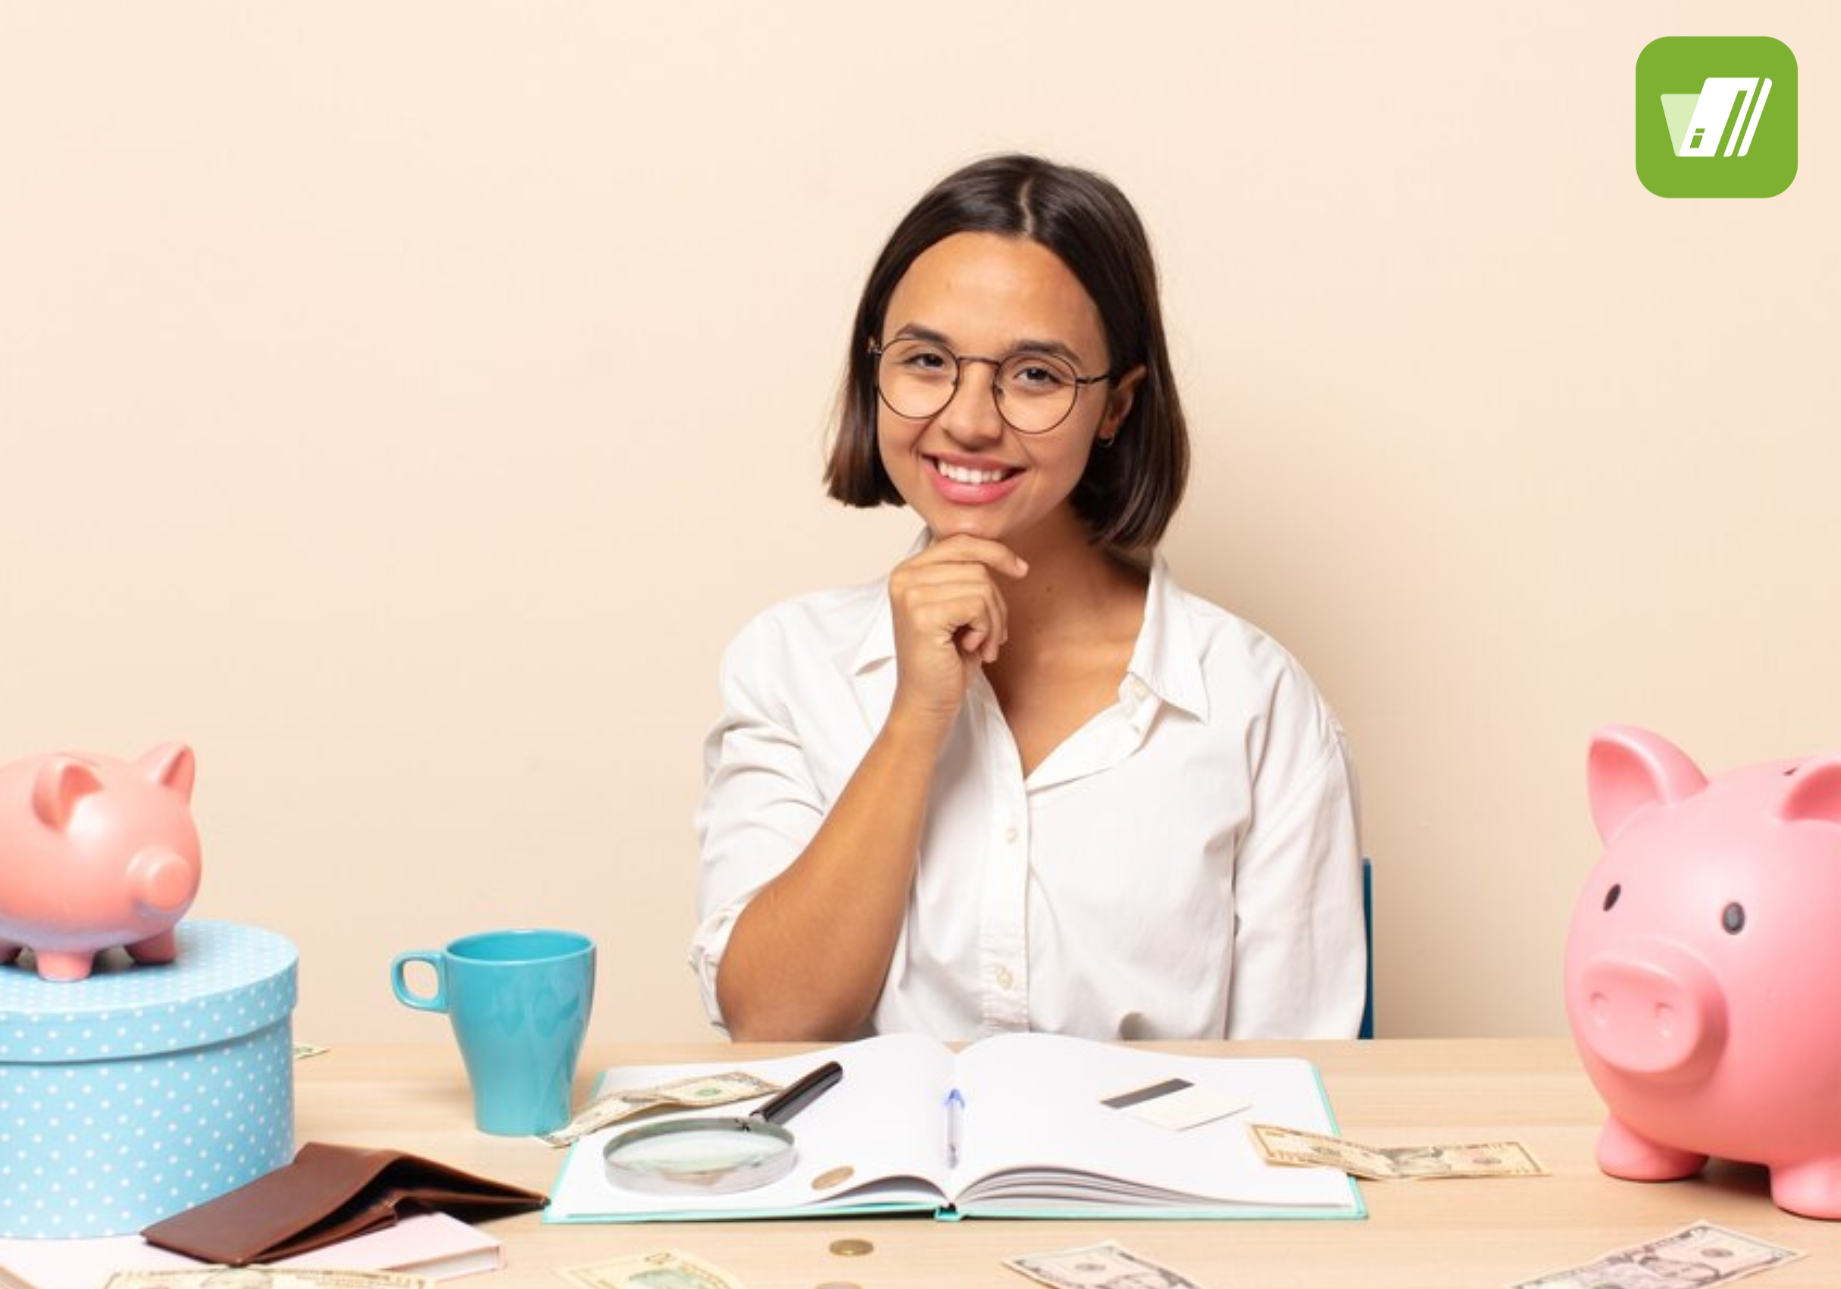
971,414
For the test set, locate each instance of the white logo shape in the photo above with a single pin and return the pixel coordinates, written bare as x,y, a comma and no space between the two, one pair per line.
1696,122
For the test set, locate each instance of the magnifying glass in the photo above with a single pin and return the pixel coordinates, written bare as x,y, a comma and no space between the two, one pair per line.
713,1156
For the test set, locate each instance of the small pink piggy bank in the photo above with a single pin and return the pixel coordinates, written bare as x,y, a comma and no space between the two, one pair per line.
95,852
1704,965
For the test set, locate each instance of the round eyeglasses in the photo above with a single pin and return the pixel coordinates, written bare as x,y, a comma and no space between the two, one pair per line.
1034,391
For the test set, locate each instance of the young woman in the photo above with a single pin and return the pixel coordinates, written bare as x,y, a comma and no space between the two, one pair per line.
1024,781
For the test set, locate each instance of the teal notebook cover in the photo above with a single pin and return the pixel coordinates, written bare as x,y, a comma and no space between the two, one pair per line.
1038,1139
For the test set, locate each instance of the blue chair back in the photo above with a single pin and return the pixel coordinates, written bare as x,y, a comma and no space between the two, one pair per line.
1368,927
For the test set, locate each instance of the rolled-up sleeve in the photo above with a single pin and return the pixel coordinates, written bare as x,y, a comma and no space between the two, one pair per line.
760,806
1300,952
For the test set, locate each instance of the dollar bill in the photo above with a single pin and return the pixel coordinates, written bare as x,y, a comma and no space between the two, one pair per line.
1701,1254
706,1090
666,1270
264,1278
1296,1148
1098,1266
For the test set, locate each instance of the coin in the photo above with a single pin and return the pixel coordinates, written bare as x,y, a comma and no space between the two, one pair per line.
852,1248
833,1177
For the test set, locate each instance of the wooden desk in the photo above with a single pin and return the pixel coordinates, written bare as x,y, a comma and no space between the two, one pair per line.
1419,1235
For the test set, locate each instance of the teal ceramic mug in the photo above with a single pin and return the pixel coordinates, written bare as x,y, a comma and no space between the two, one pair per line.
519,1004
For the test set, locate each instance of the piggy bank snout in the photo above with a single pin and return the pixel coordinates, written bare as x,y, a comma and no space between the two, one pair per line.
163,879
1653,1010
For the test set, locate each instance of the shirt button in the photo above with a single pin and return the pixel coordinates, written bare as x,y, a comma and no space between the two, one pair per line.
1004,978
1010,835
1138,688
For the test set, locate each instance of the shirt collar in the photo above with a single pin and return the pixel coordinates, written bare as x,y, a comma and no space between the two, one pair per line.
878,643
1164,661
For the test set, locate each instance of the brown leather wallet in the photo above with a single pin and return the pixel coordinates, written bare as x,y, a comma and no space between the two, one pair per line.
328,1194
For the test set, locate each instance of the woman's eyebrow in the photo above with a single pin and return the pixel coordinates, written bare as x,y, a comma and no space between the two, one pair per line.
914,331
1054,347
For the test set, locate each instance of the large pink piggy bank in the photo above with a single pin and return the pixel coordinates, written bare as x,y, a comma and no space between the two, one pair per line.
95,852
1704,965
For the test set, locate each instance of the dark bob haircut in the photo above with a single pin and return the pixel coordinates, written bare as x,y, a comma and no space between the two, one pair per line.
1129,491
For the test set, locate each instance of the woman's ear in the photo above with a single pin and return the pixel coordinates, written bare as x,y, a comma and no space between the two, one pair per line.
1119,401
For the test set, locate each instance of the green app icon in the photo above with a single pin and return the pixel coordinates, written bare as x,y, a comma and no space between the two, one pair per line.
1716,116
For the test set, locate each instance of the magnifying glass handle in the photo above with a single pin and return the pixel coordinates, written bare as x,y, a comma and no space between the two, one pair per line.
801,1094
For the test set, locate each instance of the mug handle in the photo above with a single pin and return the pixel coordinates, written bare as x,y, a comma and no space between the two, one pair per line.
435,1002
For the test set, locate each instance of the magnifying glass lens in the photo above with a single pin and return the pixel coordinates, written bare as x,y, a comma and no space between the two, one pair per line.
713,1156
711,1161
699,1152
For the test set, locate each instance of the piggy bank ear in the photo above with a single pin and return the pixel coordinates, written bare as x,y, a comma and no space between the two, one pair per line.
1815,792
171,766
1631,768
61,783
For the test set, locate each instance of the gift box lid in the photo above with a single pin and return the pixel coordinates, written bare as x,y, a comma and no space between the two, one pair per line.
227,980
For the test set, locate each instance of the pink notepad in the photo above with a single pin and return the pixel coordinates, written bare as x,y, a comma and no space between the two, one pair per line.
433,1245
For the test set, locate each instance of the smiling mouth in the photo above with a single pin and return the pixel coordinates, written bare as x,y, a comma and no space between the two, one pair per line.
965,474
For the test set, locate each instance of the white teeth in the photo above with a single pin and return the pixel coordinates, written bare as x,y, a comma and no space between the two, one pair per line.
959,474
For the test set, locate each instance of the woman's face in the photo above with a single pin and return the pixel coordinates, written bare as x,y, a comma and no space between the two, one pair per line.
964,470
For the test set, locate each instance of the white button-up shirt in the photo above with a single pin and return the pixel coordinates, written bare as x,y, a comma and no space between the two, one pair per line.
1185,865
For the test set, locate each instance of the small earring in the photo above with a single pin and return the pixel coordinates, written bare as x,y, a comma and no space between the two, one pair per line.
1108,442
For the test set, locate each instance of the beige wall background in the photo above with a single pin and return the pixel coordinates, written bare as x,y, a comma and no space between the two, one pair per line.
403,403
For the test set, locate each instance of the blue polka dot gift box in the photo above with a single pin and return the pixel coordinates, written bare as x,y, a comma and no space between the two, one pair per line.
145,1090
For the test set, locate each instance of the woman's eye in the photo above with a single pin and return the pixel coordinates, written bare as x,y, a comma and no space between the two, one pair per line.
1036,376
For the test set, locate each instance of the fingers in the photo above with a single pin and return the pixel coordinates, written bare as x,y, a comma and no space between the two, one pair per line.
950,615
963,548
958,570
944,606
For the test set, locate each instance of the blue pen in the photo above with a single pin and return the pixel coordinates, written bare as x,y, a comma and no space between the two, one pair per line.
955,1126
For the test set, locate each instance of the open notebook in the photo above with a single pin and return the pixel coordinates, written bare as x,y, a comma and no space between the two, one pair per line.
1036,1138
